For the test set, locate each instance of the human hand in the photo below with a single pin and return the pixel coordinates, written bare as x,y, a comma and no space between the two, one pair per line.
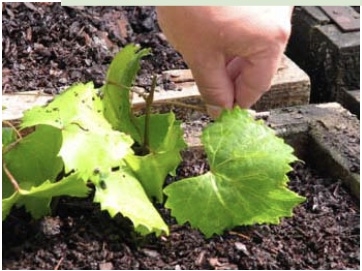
233,52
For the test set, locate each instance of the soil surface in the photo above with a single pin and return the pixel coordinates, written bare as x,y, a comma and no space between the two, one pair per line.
46,46
323,234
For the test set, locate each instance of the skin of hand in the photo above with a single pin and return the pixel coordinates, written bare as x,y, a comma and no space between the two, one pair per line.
233,52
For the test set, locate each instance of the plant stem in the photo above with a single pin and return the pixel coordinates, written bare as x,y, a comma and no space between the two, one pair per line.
149,101
11,178
117,84
13,144
153,89
140,93
13,127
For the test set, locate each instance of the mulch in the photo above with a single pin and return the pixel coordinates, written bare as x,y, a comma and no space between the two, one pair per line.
323,234
46,46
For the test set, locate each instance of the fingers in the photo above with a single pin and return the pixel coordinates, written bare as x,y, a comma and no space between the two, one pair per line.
240,82
233,52
253,75
214,83
253,81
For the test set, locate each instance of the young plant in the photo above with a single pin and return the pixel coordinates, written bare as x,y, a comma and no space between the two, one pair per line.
87,135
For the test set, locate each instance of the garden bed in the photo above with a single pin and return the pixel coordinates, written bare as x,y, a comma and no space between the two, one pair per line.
323,233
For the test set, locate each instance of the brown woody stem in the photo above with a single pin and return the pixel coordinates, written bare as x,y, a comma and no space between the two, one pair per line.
149,101
11,178
13,127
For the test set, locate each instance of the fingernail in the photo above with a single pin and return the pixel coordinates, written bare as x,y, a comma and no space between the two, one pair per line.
213,110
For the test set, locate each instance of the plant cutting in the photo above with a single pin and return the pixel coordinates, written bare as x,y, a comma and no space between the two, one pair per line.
89,138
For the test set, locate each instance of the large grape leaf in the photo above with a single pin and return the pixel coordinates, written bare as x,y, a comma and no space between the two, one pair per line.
247,180
33,160
89,142
87,151
116,92
121,192
76,105
37,199
165,143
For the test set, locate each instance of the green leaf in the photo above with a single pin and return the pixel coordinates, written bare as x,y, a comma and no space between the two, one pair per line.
76,105
247,180
116,91
89,142
8,136
7,204
152,169
37,199
121,192
165,143
165,132
34,159
86,151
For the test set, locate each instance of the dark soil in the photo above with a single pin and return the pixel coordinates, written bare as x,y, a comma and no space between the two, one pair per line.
323,234
46,46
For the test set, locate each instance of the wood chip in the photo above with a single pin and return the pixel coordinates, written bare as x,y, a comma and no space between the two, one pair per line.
106,266
200,259
241,247
30,6
123,27
150,253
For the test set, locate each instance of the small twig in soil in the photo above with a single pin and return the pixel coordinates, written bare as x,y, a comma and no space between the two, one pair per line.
271,250
240,234
59,263
258,234
336,190
298,229
11,178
